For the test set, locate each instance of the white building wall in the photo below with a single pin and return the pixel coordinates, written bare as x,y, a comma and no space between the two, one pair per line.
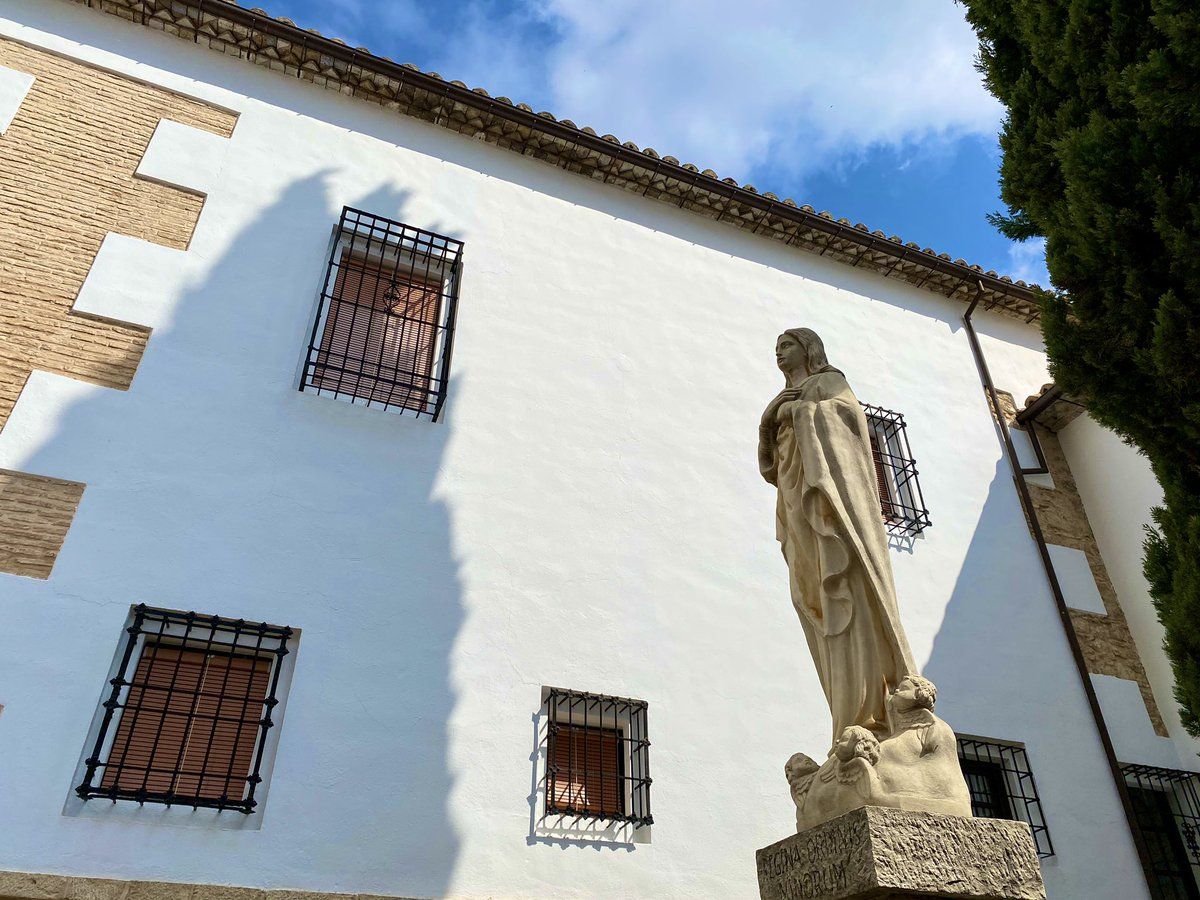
1119,490
588,515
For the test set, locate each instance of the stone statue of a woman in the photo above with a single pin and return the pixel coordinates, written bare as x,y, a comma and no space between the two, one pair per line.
814,447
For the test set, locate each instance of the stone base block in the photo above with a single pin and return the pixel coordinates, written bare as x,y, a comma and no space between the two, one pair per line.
31,886
880,853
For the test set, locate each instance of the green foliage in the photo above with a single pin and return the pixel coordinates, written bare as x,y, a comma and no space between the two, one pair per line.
1102,157
1017,227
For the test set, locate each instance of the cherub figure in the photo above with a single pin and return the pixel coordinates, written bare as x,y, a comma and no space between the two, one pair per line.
919,767
857,751
910,706
845,781
799,771
914,765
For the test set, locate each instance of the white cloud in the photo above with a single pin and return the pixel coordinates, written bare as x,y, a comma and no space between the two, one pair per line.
795,84
1028,262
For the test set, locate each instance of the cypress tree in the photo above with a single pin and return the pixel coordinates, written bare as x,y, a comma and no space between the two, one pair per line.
1101,147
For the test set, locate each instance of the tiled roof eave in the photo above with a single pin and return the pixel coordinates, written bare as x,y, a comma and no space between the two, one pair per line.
280,45
1051,408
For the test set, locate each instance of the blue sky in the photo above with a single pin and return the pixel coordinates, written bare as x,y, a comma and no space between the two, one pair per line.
870,109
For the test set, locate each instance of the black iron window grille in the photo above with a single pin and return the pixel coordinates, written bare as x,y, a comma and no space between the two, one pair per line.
385,324
1002,787
597,757
900,498
1166,807
186,719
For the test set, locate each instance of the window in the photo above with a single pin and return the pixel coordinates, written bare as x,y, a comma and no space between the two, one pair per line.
586,771
989,794
900,499
385,323
189,709
1166,807
597,757
1001,786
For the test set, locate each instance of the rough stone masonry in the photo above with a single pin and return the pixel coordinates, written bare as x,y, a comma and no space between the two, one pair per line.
875,852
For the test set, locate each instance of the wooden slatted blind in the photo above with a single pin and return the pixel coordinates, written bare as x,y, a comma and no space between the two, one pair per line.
881,477
587,770
190,723
378,342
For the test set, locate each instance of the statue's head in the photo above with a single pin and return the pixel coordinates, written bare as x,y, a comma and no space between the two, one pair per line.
800,351
915,692
857,742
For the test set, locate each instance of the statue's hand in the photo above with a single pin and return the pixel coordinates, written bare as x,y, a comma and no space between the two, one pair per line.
785,396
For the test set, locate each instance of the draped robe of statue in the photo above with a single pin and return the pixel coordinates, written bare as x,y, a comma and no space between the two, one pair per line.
817,452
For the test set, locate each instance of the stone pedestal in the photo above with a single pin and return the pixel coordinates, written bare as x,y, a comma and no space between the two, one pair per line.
881,853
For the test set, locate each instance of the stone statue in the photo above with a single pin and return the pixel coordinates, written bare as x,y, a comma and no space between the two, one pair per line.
814,447
913,766
889,748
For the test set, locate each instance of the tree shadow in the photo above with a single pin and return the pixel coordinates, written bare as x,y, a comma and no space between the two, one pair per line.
214,485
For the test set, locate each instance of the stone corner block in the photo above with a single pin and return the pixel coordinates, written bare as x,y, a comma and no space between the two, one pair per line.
881,853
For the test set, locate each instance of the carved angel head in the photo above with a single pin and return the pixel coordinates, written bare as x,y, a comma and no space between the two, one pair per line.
857,742
915,692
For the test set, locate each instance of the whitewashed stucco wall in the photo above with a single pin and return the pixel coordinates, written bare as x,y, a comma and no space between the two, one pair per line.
588,515
1118,490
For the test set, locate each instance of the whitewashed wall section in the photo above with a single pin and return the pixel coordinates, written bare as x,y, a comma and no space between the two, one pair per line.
1075,578
588,515
14,86
1119,490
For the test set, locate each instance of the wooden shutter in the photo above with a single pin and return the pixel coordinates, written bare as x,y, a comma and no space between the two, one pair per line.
587,770
154,723
224,732
881,478
190,724
380,332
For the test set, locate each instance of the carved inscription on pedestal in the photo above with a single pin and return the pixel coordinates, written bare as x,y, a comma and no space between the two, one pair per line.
878,851
795,876
823,862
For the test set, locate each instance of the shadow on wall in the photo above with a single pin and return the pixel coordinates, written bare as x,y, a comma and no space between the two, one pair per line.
214,485
1004,671
993,607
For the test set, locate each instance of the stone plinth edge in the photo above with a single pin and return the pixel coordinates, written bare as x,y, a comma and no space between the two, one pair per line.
32,886
879,853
